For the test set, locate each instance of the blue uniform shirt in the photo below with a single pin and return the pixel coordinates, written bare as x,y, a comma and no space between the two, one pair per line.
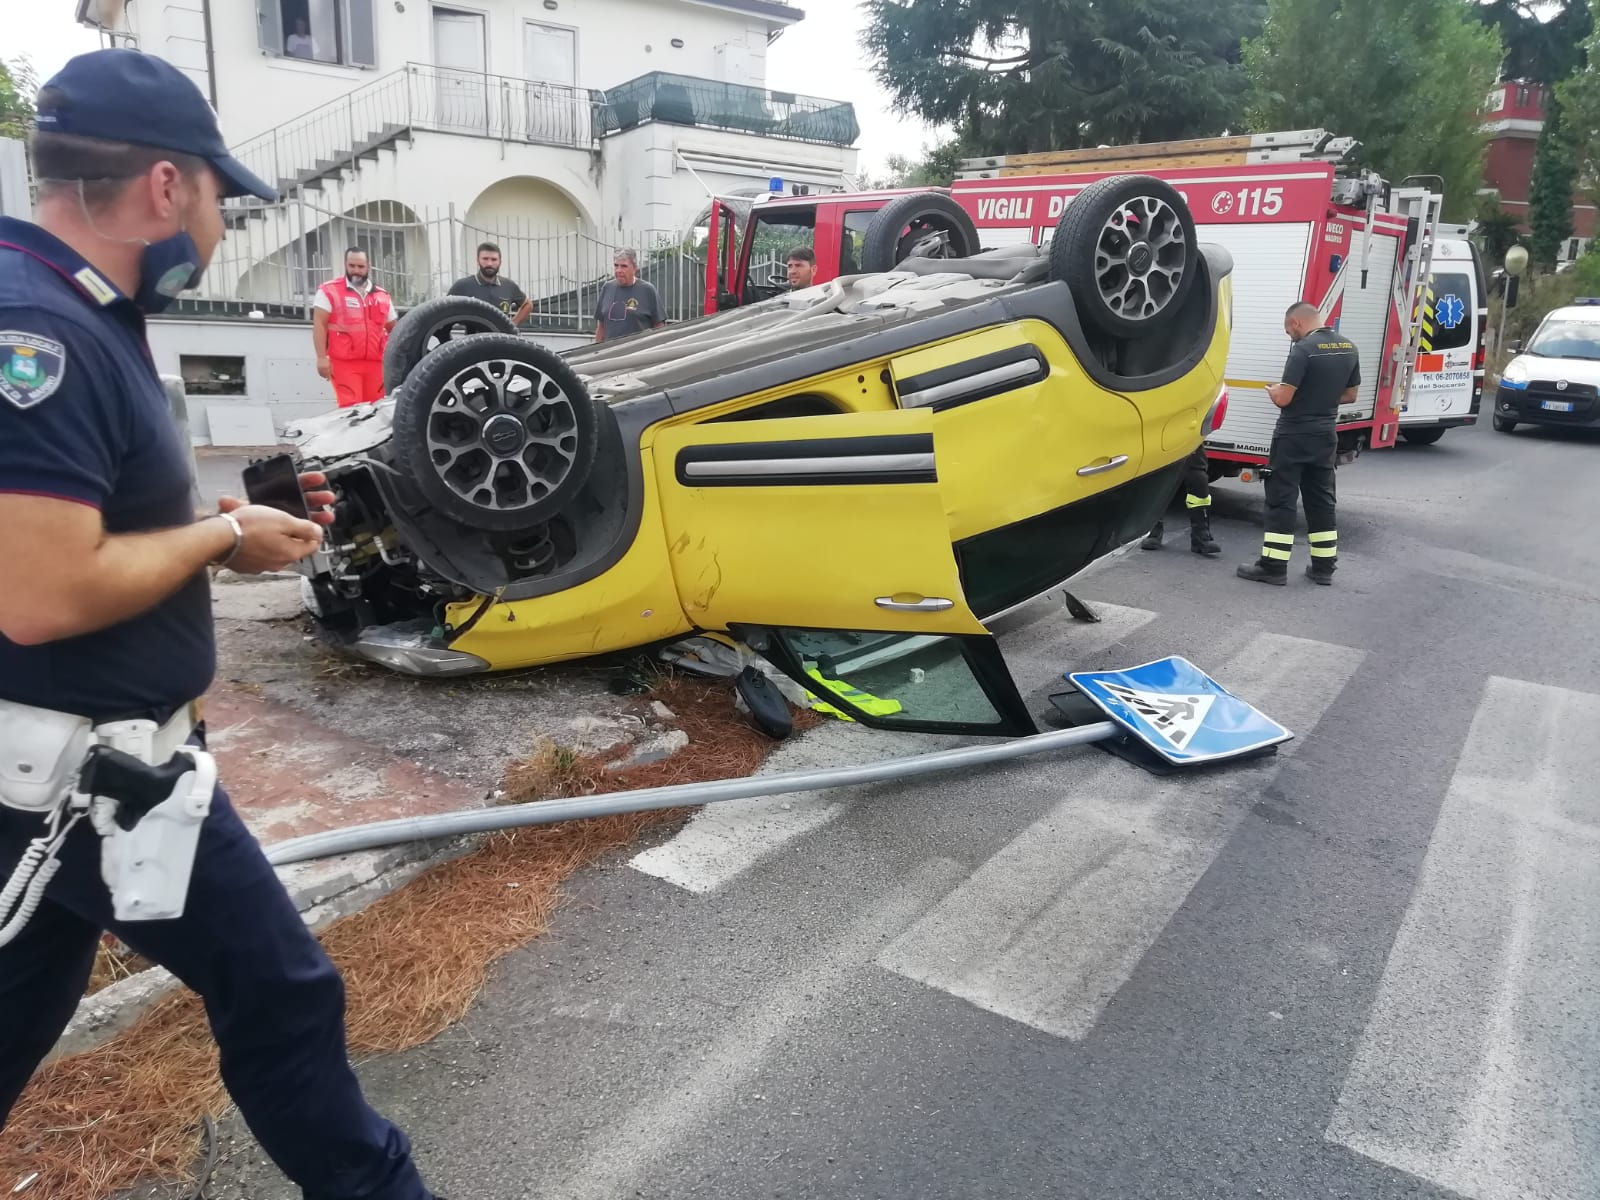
84,418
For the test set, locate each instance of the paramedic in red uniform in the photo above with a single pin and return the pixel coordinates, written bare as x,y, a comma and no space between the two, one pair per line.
350,322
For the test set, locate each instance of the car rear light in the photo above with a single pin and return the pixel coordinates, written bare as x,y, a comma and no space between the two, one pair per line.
1214,417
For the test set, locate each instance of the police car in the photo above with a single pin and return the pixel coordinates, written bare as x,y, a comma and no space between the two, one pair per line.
894,457
1555,378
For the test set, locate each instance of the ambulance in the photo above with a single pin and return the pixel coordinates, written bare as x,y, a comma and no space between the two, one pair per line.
1300,226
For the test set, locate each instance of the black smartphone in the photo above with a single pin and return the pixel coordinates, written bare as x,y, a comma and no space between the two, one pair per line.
275,483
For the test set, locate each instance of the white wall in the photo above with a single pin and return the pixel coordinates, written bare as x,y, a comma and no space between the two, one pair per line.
617,40
648,185
282,384
14,200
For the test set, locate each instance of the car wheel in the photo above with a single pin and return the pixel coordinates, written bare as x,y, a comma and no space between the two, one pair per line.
430,325
1126,247
1501,425
1422,437
924,225
496,432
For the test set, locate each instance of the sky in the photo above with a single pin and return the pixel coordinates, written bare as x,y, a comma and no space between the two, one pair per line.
821,56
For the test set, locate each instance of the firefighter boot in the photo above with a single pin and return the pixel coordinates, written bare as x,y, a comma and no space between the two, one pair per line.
1152,540
1273,565
1200,539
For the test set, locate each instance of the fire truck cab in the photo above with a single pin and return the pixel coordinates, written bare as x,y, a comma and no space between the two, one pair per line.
850,233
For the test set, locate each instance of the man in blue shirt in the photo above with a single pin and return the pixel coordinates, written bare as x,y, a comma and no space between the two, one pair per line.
105,609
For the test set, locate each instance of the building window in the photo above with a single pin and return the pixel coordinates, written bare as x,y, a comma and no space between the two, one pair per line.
212,374
339,32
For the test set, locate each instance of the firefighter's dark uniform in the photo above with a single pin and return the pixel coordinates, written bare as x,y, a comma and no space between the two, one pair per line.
1321,366
88,423
1196,488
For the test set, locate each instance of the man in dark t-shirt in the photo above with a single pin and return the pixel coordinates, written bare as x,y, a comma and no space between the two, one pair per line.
490,286
627,304
1323,372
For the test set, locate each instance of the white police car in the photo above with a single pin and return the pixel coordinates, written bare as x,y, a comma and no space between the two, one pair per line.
1555,378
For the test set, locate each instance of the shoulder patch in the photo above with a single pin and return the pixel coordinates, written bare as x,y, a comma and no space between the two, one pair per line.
31,367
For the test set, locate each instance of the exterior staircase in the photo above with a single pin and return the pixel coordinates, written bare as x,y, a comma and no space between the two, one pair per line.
334,140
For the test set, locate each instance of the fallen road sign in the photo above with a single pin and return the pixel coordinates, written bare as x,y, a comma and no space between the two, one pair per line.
1180,712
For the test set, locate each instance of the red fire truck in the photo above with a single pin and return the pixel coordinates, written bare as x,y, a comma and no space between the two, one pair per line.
1298,227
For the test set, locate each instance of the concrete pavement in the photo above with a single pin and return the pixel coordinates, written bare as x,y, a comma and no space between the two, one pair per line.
1366,968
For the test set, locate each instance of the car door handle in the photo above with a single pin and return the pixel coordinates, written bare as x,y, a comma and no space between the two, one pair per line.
926,604
1101,468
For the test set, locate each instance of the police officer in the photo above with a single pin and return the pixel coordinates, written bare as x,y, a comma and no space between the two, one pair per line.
1323,372
105,609
1196,487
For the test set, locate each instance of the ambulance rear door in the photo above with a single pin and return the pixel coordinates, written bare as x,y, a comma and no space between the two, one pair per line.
1448,378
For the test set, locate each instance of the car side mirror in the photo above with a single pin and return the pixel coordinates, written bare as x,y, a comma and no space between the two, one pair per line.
1515,346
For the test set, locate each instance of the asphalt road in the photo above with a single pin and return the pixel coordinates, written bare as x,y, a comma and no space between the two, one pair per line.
1367,968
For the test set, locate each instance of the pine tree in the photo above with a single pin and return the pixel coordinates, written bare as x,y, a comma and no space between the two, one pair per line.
1068,73
1579,98
1550,200
1406,77
17,87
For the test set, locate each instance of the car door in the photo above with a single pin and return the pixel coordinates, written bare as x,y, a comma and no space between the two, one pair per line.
1041,460
823,543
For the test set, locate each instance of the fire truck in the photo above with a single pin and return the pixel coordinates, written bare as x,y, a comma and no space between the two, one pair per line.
1298,222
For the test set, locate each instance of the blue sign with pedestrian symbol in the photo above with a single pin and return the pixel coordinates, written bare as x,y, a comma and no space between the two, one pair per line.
1180,712
1450,311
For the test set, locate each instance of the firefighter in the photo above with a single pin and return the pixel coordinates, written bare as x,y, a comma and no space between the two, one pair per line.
1196,487
350,322
1322,373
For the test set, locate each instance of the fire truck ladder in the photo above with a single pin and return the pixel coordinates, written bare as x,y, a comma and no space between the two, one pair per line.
1422,209
1290,146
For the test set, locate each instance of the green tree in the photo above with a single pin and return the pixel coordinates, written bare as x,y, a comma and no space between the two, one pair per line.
1541,45
936,168
18,83
1496,231
1406,77
1579,98
1550,198
1066,73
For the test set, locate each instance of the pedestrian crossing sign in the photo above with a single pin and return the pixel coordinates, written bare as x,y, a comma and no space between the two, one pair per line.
1180,712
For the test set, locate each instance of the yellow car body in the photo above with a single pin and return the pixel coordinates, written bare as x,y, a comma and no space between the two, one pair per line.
884,461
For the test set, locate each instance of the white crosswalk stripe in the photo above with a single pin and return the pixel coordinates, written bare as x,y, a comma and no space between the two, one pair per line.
1049,928
1480,1066
725,840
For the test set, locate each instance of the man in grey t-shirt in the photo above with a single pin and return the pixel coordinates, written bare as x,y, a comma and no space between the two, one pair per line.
627,303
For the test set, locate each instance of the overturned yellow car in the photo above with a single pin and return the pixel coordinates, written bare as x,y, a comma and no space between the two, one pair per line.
855,474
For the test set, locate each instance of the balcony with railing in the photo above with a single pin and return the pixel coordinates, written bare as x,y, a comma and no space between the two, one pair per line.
338,135
739,108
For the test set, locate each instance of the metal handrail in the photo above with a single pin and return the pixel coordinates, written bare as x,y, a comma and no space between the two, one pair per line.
419,96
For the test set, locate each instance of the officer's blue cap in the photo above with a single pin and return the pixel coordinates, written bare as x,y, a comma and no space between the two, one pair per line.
125,96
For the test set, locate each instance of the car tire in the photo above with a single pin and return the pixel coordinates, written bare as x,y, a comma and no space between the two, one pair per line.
1422,437
1122,283
1501,425
434,323
465,435
901,224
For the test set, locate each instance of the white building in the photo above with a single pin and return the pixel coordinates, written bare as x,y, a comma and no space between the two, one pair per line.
559,129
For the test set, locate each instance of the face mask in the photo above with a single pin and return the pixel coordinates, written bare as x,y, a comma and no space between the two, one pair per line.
167,268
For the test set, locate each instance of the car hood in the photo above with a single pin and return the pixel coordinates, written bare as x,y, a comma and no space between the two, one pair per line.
1527,367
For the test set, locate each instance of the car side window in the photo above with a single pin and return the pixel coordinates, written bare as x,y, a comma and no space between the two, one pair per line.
916,682
853,240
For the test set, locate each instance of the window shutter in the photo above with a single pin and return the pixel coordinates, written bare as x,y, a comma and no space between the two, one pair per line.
361,40
269,26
